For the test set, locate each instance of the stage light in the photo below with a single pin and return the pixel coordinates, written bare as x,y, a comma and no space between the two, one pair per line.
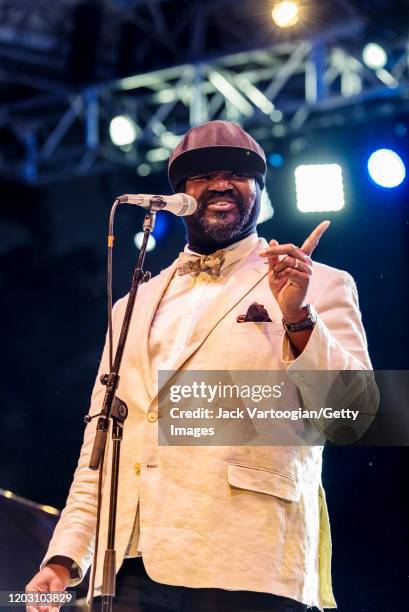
319,187
123,130
138,241
374,56
157,155
266,208
386,168
161,226
170,140
275,160
144,169
278,131
276,116
285,14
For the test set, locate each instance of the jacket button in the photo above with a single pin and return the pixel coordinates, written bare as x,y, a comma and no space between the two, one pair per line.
152,417
137,468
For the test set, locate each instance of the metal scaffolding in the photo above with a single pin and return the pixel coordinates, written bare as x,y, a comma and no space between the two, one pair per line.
275,90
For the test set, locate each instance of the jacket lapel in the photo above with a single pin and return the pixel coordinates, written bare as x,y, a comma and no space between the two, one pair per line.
237,286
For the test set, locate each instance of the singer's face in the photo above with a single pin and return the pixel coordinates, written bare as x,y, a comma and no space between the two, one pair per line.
225,202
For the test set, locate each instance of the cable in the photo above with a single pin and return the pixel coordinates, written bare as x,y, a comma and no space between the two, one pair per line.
109,279
110,353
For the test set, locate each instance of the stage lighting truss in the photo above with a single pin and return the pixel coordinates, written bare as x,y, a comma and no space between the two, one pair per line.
275,92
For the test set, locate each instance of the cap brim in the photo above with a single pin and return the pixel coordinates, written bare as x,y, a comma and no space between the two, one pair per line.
211,159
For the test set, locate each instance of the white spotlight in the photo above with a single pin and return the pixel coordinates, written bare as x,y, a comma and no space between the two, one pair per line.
144,169
285,14
157,155
386,168
138,241
319,187
374,56
123,130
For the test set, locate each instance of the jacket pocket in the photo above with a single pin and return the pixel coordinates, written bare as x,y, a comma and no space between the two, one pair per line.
262,480
262,328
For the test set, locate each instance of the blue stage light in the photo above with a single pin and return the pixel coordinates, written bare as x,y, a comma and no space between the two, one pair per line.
161,226
386,168
275,160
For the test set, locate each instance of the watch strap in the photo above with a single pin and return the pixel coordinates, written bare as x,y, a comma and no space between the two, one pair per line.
306,322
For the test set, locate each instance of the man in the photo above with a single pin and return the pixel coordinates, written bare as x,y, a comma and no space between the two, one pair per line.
223,528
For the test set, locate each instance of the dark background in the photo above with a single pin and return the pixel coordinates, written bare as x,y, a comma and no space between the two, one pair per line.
52,287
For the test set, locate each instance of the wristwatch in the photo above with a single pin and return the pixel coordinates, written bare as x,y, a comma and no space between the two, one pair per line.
307,322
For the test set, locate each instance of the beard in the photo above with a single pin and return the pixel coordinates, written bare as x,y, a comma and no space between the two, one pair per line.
223,226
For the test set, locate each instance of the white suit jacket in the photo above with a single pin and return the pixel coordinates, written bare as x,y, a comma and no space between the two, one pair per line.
242,518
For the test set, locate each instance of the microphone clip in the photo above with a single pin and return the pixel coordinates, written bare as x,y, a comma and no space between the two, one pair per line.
119,412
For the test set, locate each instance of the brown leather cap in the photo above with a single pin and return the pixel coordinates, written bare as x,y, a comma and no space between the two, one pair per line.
216,145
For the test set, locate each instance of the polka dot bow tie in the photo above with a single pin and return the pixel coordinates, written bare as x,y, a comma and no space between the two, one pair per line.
195,264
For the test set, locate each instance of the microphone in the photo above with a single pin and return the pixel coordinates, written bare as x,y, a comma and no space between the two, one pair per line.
179,204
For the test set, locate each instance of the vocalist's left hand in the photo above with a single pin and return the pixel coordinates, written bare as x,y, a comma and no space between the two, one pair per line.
289,272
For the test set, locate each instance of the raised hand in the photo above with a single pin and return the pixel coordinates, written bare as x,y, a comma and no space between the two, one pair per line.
289,273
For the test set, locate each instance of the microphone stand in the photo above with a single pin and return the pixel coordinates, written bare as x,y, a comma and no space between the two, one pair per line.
115,409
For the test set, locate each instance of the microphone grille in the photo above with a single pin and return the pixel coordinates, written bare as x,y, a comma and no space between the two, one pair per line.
189,205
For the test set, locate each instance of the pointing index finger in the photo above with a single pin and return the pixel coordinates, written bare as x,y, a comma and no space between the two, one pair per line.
313,239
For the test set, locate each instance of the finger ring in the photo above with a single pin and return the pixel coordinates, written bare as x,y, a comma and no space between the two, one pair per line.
296,264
